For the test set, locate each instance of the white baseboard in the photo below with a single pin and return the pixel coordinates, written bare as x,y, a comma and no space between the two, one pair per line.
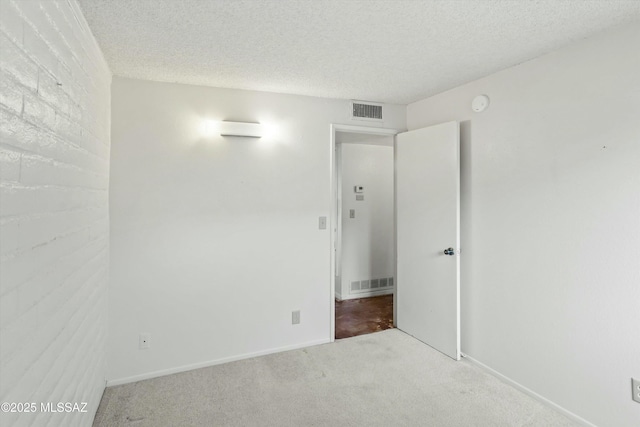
206,364
368,294
529,392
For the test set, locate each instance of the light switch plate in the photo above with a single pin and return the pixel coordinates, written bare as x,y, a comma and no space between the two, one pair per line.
352,213
635,385
322,223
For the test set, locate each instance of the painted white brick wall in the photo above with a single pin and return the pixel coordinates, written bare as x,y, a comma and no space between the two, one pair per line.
54,215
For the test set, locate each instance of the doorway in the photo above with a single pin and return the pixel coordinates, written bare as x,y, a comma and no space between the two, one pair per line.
363,230
426,233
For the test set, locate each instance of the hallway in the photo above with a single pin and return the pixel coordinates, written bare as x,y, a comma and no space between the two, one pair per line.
363,316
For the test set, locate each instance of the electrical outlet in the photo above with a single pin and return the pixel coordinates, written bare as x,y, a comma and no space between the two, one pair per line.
295,317
635,385
144,341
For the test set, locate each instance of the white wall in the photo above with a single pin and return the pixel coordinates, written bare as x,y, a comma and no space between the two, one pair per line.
54,163
551,223
367,240
215,241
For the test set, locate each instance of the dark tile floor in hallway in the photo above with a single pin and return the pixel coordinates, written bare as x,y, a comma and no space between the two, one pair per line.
363,316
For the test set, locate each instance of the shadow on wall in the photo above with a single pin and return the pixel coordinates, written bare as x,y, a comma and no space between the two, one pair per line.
465,218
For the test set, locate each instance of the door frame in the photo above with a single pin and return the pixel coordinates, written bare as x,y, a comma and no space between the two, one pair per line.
333,217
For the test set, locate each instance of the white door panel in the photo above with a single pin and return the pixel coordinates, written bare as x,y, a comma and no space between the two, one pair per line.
428,222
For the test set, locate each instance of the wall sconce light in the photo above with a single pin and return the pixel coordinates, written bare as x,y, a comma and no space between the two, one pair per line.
241,129
211,128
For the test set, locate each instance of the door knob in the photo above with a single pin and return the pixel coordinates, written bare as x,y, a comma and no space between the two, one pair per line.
449,251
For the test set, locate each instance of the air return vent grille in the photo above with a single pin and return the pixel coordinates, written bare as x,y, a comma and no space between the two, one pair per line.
366,111
371,285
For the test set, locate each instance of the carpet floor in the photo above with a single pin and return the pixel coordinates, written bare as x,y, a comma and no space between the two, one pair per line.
382,379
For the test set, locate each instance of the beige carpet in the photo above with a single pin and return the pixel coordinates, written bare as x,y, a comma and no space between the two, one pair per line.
382,379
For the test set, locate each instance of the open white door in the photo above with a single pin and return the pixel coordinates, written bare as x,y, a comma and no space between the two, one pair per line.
428,236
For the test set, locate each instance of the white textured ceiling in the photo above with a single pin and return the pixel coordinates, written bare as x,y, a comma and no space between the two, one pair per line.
395,51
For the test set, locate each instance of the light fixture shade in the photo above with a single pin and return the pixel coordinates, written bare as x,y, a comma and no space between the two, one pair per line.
241,129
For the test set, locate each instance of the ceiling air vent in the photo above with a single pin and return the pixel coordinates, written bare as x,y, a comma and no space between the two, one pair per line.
366,111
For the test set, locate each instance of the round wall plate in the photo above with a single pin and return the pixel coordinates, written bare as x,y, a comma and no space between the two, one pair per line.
480,103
